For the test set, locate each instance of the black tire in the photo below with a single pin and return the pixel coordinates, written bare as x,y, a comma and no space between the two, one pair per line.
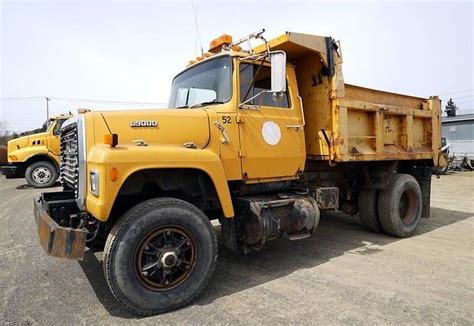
123,255
41,174
400,206
368,210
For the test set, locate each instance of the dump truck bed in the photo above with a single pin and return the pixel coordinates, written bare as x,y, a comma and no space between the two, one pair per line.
346,123
378,125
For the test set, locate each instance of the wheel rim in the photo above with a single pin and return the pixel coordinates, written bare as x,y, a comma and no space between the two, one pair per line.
41,175
408,207
165,258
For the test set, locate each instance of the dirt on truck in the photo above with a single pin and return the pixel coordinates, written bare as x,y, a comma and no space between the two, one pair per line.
263,140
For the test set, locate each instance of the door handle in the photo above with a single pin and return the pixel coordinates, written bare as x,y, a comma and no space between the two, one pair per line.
296,127
221,128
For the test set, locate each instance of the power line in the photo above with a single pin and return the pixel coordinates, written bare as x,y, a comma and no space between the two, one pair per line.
457,92
462,95
103,101
22,98
81,100
464,102
457,99
467,96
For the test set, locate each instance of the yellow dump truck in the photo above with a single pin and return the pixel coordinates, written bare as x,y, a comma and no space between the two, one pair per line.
262,140
36,157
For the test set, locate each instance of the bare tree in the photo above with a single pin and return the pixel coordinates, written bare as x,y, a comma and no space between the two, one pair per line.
4,128
5,132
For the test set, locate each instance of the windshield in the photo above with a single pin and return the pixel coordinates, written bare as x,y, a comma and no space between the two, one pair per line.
208,82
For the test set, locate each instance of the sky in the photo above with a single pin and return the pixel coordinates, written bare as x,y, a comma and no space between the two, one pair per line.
129,51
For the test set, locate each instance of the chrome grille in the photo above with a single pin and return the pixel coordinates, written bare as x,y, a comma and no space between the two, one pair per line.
70,158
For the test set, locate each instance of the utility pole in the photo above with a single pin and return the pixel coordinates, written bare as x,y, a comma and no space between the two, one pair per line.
47,108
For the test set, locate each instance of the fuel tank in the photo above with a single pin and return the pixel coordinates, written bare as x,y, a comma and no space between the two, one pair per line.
263,218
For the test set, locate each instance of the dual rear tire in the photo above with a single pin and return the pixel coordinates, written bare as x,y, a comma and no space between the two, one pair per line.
396,211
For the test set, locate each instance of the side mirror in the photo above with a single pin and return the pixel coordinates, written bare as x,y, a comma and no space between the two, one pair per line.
278,60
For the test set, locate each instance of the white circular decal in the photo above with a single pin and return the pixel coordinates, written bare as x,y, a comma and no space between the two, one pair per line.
271,133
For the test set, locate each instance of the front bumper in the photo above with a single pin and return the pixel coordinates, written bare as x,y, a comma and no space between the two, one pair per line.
58,241
8,170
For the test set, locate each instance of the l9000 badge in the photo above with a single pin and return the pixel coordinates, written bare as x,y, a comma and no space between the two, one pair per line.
143,123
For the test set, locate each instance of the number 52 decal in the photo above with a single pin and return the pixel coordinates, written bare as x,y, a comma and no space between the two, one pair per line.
226,119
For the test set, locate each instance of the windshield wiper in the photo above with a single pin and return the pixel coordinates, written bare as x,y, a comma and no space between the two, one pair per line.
206,103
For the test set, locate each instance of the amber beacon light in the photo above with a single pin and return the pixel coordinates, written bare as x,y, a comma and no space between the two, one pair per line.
111,139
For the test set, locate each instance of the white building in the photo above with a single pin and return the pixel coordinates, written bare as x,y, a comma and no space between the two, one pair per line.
459,133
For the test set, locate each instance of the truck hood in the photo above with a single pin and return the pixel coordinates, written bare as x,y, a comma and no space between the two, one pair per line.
163,127
25,141
18,143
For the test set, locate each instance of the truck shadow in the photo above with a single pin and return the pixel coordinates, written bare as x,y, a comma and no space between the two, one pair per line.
337,234
27,186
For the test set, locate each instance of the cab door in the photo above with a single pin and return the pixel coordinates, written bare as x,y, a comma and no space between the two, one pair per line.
271,128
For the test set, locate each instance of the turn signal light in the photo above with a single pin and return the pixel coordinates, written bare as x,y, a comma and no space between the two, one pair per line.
111,139
113,174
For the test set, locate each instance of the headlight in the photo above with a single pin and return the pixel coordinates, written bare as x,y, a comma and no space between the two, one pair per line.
94,182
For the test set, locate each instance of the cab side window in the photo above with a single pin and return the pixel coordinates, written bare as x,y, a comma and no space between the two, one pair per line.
262,82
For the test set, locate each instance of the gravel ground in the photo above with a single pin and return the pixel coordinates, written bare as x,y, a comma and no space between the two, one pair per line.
343,275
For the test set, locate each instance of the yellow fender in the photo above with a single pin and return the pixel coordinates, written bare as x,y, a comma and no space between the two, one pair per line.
24,154
127,160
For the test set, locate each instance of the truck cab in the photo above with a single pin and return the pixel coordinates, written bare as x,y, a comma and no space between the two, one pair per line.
262,140
36,156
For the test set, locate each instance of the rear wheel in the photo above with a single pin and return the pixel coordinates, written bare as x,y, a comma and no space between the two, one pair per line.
368,210
159,256
41,174
400,206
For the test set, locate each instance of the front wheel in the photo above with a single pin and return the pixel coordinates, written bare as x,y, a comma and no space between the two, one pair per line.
159,256
41,174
